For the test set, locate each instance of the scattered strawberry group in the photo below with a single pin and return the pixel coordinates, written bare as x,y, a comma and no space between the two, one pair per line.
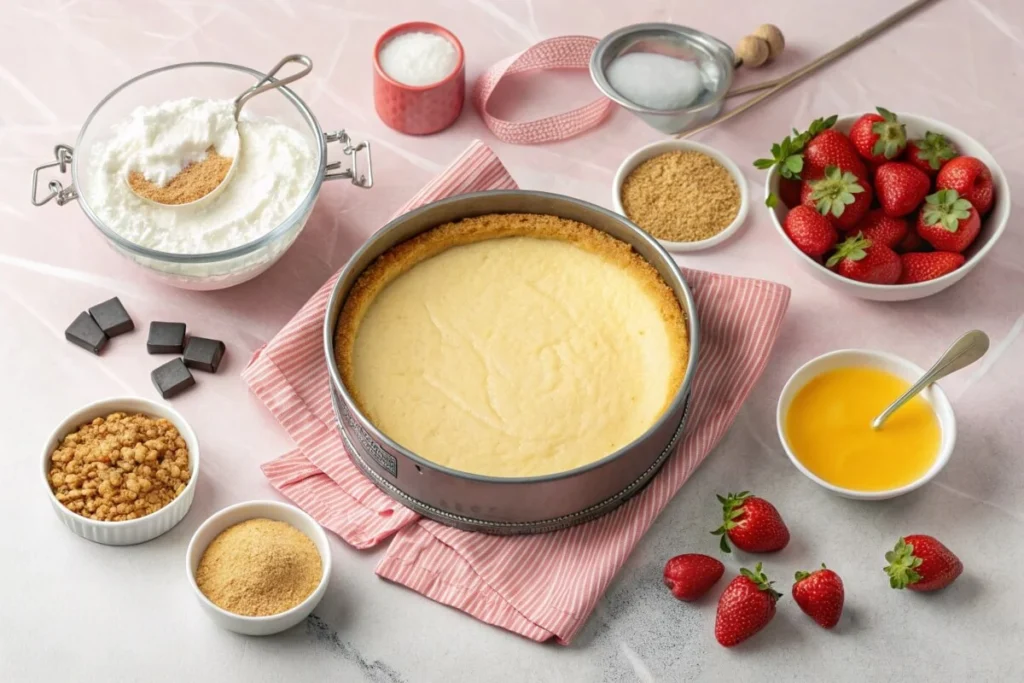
748,603
876,207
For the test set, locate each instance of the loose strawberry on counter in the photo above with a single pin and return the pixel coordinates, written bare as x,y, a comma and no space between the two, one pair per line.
901,187
948,222
859,259
879,137
839,195
921,563
820,595
882,228
971,178
746,607
924,266
812,233
692,575
930,152
752,523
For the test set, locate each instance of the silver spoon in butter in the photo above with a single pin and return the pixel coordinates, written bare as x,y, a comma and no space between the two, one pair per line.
962,353
213,164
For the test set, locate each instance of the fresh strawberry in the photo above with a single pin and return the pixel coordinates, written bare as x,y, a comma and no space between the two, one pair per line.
789,191
811,232
788,159
901,187
921,267
820,595
971,178
859,259
948,222
921,563
752,523
840,195
746,606
830,148
878,137
912,242
930,152
691,576
872,169
881,228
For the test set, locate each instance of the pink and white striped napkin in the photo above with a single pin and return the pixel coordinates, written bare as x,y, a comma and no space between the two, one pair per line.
543,586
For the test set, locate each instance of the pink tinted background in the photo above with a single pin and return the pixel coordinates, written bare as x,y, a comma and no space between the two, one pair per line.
958,61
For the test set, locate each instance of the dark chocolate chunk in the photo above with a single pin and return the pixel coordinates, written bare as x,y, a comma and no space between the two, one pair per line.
86,333
166,337
172,378
203,354
112,318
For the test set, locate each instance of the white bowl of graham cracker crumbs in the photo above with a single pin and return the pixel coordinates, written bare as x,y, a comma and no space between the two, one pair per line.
254,557
121,471
687,195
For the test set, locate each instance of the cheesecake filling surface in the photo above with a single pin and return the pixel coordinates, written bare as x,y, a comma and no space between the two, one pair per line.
512,345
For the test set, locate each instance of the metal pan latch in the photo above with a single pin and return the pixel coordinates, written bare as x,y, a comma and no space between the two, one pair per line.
350,150
62,194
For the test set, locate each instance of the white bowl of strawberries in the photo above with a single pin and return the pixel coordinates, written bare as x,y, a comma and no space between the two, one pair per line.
886,207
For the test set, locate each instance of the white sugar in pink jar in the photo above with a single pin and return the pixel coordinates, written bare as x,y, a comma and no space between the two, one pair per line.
419,83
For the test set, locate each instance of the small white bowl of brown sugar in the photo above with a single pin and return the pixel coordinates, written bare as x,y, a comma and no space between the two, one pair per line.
687,195
121,471
259,567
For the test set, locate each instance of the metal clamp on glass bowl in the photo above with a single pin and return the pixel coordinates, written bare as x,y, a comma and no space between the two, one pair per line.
350,150
62,194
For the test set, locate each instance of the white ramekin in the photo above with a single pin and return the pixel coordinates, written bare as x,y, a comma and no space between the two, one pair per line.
134,530
235,514
992,226
900,367
653,150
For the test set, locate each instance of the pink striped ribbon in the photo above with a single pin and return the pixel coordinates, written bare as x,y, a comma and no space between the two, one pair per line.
563,52
545,586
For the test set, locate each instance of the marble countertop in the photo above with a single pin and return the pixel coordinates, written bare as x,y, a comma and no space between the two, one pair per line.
72,610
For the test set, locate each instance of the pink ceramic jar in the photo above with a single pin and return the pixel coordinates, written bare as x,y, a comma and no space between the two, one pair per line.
419,110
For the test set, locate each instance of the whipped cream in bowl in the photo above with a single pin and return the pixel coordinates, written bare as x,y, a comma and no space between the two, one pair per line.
274,170
161,140
159,123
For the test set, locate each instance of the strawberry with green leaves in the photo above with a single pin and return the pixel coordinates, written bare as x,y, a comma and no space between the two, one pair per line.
930,152
948,222
820,595
752,523
921,563
805,155
858,258
747,605
839,195
831,148
879,137
924,266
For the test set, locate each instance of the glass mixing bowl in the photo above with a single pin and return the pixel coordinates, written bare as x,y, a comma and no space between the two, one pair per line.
214,270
